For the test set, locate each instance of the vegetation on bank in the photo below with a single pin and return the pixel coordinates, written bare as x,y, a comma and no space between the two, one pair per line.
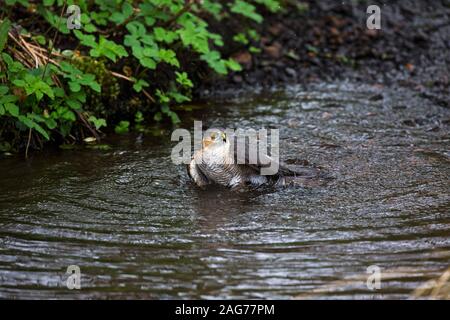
124,63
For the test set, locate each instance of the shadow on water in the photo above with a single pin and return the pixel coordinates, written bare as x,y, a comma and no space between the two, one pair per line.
217,206
138,228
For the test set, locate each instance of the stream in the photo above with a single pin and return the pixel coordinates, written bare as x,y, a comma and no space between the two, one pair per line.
138,228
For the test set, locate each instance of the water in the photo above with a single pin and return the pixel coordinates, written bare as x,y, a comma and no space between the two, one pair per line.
137,227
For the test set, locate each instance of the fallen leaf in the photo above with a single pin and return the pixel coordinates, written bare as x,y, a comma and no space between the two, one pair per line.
90,139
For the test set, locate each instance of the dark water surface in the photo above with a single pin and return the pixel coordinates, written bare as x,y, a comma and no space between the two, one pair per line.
137,227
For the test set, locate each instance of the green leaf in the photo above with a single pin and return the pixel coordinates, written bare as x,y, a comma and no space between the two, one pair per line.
4,28
174,117
34,84
136,28
272,5
311,48
3,90
98,122
246,9
108,49
164,35
233,65
12,109
69,116
151,52
64,113
147,62
169,56
78,78
241,38
182,78
194,36
74,86
33,125
252,33
13,66
138,117
214,8
140,84
59,23
86,39
19,83
8,98
178,97
51,123
158,116
28,122
80,96
40,39
89,27
119,17
74,104
254,49
48,3
36,117
41,130
94,86
122,127
100,18
163,98
215,62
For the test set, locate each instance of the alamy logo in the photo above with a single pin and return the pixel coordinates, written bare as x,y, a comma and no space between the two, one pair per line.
374,20
374,279
74,279
74,20
246,146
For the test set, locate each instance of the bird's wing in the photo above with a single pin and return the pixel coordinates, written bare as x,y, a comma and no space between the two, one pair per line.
241,154
264,160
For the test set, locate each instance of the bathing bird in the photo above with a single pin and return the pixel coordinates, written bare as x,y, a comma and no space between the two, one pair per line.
219,162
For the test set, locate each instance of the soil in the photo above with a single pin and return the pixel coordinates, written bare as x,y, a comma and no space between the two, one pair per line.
313,41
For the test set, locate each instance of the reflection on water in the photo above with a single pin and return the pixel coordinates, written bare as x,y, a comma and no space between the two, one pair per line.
138,228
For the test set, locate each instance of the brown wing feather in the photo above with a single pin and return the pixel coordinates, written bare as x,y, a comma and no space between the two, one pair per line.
263,160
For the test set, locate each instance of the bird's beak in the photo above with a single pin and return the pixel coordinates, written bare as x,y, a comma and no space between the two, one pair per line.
224,137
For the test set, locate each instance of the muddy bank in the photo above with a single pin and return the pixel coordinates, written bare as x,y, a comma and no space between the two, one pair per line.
313,41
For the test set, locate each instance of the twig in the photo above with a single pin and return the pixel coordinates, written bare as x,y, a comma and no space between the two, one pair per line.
28,144
47,58
30,51
148,96
50,49
118,75
88,126
19,43
19,56
39,48
56,80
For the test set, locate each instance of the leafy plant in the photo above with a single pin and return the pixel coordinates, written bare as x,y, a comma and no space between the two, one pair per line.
122,127
146,51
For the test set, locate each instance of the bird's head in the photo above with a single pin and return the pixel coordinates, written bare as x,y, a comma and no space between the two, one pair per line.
214,137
